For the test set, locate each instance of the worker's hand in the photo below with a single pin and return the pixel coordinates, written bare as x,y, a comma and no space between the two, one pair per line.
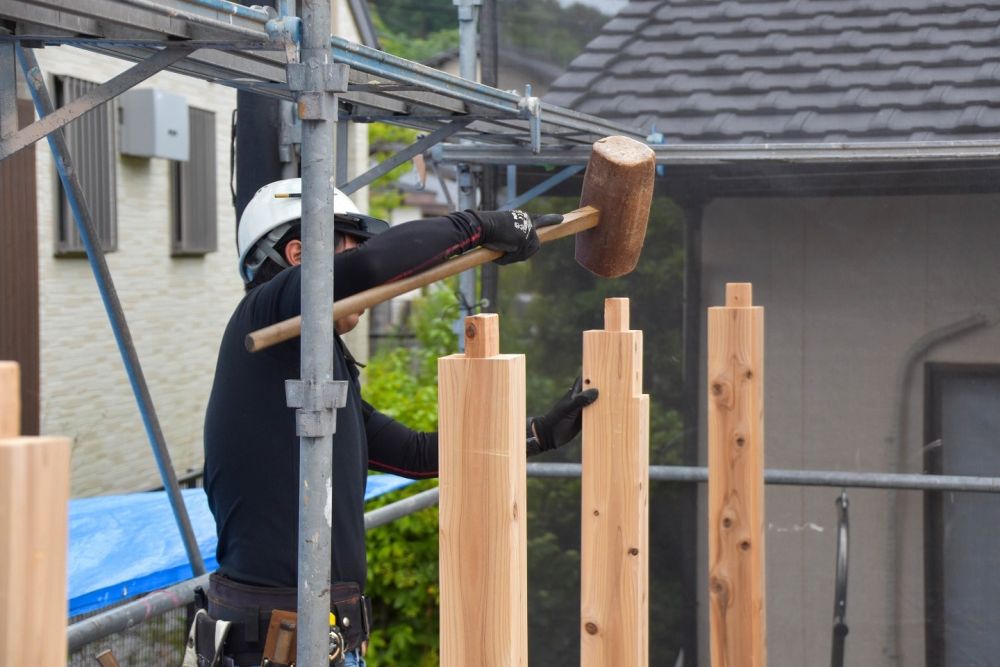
513,233
561,423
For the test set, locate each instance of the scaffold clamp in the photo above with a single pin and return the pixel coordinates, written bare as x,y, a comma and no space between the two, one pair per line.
531,108
316,403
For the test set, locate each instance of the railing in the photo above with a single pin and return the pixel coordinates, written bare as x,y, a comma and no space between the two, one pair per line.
155,604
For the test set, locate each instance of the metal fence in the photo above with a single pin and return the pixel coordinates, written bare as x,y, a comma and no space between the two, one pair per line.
158,641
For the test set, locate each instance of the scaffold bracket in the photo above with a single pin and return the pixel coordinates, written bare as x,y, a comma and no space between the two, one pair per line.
316,404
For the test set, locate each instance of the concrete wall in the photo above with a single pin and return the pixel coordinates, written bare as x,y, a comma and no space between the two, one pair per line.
848,285
177,308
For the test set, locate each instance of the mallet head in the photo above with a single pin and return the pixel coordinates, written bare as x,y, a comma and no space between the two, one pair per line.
618,183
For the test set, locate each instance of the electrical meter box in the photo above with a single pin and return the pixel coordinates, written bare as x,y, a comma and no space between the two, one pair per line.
153,123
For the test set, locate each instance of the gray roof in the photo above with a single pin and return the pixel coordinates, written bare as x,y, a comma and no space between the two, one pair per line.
794,70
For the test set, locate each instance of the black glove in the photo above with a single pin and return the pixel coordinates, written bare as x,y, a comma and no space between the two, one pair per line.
513,233
561,423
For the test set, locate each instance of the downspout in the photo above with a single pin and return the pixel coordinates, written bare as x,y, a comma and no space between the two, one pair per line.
896,441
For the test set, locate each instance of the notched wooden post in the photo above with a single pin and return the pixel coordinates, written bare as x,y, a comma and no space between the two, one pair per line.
483,518
34,493
615,488
736,480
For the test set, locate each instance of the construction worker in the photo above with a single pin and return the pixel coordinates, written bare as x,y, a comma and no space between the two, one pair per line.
251,447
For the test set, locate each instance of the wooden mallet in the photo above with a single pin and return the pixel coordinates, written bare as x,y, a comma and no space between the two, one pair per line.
610,226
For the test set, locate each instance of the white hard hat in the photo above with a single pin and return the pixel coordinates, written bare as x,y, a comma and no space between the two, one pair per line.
274,208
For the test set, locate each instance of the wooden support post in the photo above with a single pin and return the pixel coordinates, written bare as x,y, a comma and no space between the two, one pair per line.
483,513
736,480
10,399
34,492
614,590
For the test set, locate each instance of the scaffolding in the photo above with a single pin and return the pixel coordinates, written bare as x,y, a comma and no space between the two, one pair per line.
277,54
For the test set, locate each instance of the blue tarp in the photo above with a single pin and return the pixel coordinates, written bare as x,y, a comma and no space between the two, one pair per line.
122,546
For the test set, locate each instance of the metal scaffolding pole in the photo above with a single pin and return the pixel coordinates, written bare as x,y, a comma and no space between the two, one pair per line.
113,306
317,396
712,154
781,477
468,16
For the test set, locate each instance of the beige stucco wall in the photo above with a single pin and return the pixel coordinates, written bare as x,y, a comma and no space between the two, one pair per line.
176,308
848,285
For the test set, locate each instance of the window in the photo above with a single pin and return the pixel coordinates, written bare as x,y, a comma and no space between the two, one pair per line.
91,142
962,554
193,206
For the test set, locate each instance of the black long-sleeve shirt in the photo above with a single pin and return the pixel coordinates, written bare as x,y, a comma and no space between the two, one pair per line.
251,450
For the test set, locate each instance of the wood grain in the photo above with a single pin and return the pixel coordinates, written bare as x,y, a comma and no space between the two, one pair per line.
619,182
483,513
738,630
482,336
34,492
614,604
10,399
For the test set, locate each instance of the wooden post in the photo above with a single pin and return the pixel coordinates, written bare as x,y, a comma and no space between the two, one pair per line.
10,399
34,492
736,480
614,590
483,513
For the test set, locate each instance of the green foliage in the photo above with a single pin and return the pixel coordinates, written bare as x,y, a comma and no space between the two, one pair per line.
384,141
546,29
415,35
403,556
420,29
416,18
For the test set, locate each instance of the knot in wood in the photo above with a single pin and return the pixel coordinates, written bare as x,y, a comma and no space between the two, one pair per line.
633,551
470,330
591,628
719,587
740,440
717,389
745,545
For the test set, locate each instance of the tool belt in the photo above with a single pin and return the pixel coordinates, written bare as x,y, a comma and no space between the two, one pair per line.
249,608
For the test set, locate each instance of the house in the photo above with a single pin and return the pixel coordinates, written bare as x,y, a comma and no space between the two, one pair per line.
878,276
168,228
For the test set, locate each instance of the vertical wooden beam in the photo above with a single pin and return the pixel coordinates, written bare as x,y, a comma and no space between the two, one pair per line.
614,590
10,399
483,513
19,284
736,480
34,491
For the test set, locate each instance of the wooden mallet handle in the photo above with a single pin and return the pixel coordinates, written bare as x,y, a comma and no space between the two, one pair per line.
573,223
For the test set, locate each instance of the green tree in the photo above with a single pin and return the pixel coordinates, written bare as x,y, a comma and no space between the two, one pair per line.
416,18
403,556
547,30
383,142
412,35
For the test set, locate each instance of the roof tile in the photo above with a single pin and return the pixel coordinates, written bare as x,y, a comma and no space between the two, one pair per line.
765,70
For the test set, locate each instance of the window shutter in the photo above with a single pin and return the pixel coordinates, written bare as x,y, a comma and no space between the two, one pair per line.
194,190
91,142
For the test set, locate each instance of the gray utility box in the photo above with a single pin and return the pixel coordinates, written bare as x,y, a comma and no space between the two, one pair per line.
154,123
